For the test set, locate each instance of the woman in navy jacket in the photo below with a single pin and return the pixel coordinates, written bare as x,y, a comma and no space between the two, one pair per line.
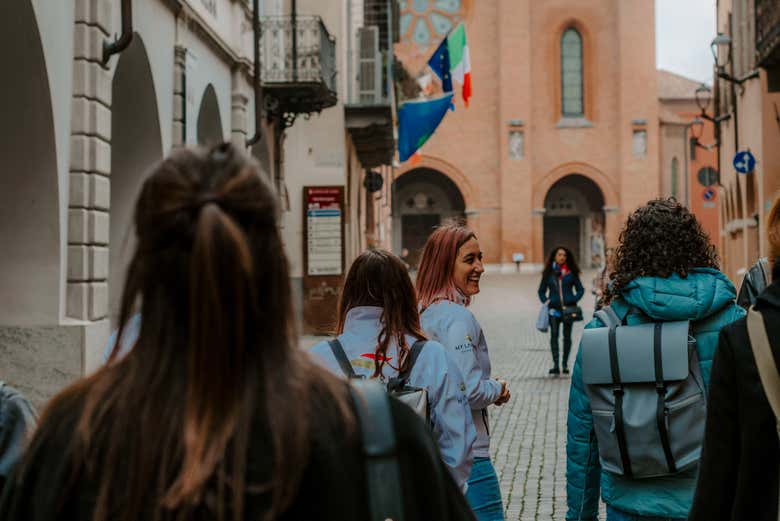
560,286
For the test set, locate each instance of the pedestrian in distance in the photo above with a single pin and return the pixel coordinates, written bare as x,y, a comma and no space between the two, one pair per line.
447,278
215,413
738,476
562,290
665,270
380,337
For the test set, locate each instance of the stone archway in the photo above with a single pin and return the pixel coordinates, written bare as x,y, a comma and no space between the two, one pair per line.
29,186
209,120
136,146
574,218
423,198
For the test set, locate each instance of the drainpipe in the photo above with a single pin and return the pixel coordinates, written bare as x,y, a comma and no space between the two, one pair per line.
256,79
121,43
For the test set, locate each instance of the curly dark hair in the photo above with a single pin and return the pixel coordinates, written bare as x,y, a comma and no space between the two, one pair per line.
660,238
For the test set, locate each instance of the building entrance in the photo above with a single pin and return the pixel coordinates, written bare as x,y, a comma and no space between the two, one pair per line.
422,200
574,219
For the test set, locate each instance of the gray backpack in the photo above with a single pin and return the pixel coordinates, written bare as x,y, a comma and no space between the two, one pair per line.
398,387
646,394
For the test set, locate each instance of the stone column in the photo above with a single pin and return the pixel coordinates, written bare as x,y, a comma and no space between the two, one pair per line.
90,165
179,137
238,106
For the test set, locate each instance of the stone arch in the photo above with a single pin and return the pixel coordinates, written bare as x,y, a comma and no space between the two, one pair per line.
135,147
610,209
30,268
209,120
423,198
449,170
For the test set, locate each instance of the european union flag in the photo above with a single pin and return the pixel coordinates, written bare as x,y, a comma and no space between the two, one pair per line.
417,121
440,64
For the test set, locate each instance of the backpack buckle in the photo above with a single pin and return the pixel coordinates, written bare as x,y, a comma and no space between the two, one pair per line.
617,390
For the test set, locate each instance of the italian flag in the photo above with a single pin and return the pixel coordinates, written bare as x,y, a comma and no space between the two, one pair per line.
460,61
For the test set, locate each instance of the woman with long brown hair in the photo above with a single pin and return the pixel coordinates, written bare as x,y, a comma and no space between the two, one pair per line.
215,413
380,335
448,276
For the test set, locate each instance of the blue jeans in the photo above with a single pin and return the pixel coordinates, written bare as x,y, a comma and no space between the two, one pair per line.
619,515
484,494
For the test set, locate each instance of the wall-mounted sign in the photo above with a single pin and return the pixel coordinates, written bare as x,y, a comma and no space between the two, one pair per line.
744,162
709,194
707,176
373,181
324,230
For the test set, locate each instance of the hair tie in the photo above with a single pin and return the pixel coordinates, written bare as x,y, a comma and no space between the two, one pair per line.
204,200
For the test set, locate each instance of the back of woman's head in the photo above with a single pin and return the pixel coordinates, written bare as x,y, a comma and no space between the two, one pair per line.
437,264
659,239
169,425
379,278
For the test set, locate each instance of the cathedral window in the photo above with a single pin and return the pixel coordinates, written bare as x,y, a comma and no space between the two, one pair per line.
571,74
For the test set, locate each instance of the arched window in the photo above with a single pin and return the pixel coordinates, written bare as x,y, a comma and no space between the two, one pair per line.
571,73
675,166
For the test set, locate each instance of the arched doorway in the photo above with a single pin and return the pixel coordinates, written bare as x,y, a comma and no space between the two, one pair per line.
209,121
574,218
423,199
136,146
29,184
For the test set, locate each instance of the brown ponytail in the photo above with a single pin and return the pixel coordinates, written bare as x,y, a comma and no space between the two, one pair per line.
164,432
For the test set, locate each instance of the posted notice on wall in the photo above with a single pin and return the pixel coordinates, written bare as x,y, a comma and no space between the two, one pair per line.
324,229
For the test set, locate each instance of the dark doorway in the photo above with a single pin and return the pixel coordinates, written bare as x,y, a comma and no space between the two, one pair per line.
415,230
423,199
562,231
574,217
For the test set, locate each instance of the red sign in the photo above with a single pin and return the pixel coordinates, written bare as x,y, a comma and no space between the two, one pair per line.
324,242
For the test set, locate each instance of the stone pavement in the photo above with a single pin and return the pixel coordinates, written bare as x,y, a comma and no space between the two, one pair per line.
528,433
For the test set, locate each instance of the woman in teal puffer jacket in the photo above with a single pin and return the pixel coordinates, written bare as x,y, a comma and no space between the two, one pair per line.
665,269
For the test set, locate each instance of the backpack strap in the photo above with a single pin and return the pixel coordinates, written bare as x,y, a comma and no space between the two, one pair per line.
341,358
414,353
383,473
765,361
660,387
610,318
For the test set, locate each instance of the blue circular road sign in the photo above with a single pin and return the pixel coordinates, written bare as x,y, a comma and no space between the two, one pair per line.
744,162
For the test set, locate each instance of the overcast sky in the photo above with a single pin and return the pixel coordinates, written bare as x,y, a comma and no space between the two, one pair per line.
684,30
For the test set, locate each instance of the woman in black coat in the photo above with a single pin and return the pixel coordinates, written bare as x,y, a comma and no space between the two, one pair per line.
560,286
738,476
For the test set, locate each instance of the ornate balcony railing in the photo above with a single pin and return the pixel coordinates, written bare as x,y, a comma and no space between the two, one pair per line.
298,64
767,32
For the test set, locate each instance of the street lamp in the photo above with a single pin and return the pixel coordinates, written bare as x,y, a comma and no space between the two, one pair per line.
697,126
722,45
703,95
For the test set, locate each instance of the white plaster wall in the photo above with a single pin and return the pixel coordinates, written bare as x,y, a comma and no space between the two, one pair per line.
55,24
204,67
157,27
315,150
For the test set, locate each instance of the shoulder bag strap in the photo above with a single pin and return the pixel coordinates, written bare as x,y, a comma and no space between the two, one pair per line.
383,473
767,370
608,316
414,353
341,358
660,388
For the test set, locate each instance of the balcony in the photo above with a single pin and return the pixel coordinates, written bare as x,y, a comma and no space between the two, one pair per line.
767,33
298,65
369,107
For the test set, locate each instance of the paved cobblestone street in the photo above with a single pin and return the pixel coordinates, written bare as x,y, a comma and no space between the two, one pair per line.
528,433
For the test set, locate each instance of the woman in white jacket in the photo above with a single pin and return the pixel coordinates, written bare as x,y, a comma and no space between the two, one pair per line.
378,323
448,276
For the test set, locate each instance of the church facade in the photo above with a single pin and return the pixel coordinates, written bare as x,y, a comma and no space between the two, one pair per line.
561,139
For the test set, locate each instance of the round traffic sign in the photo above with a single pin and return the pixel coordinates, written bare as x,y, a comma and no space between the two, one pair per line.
709,194
373,181
744,162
